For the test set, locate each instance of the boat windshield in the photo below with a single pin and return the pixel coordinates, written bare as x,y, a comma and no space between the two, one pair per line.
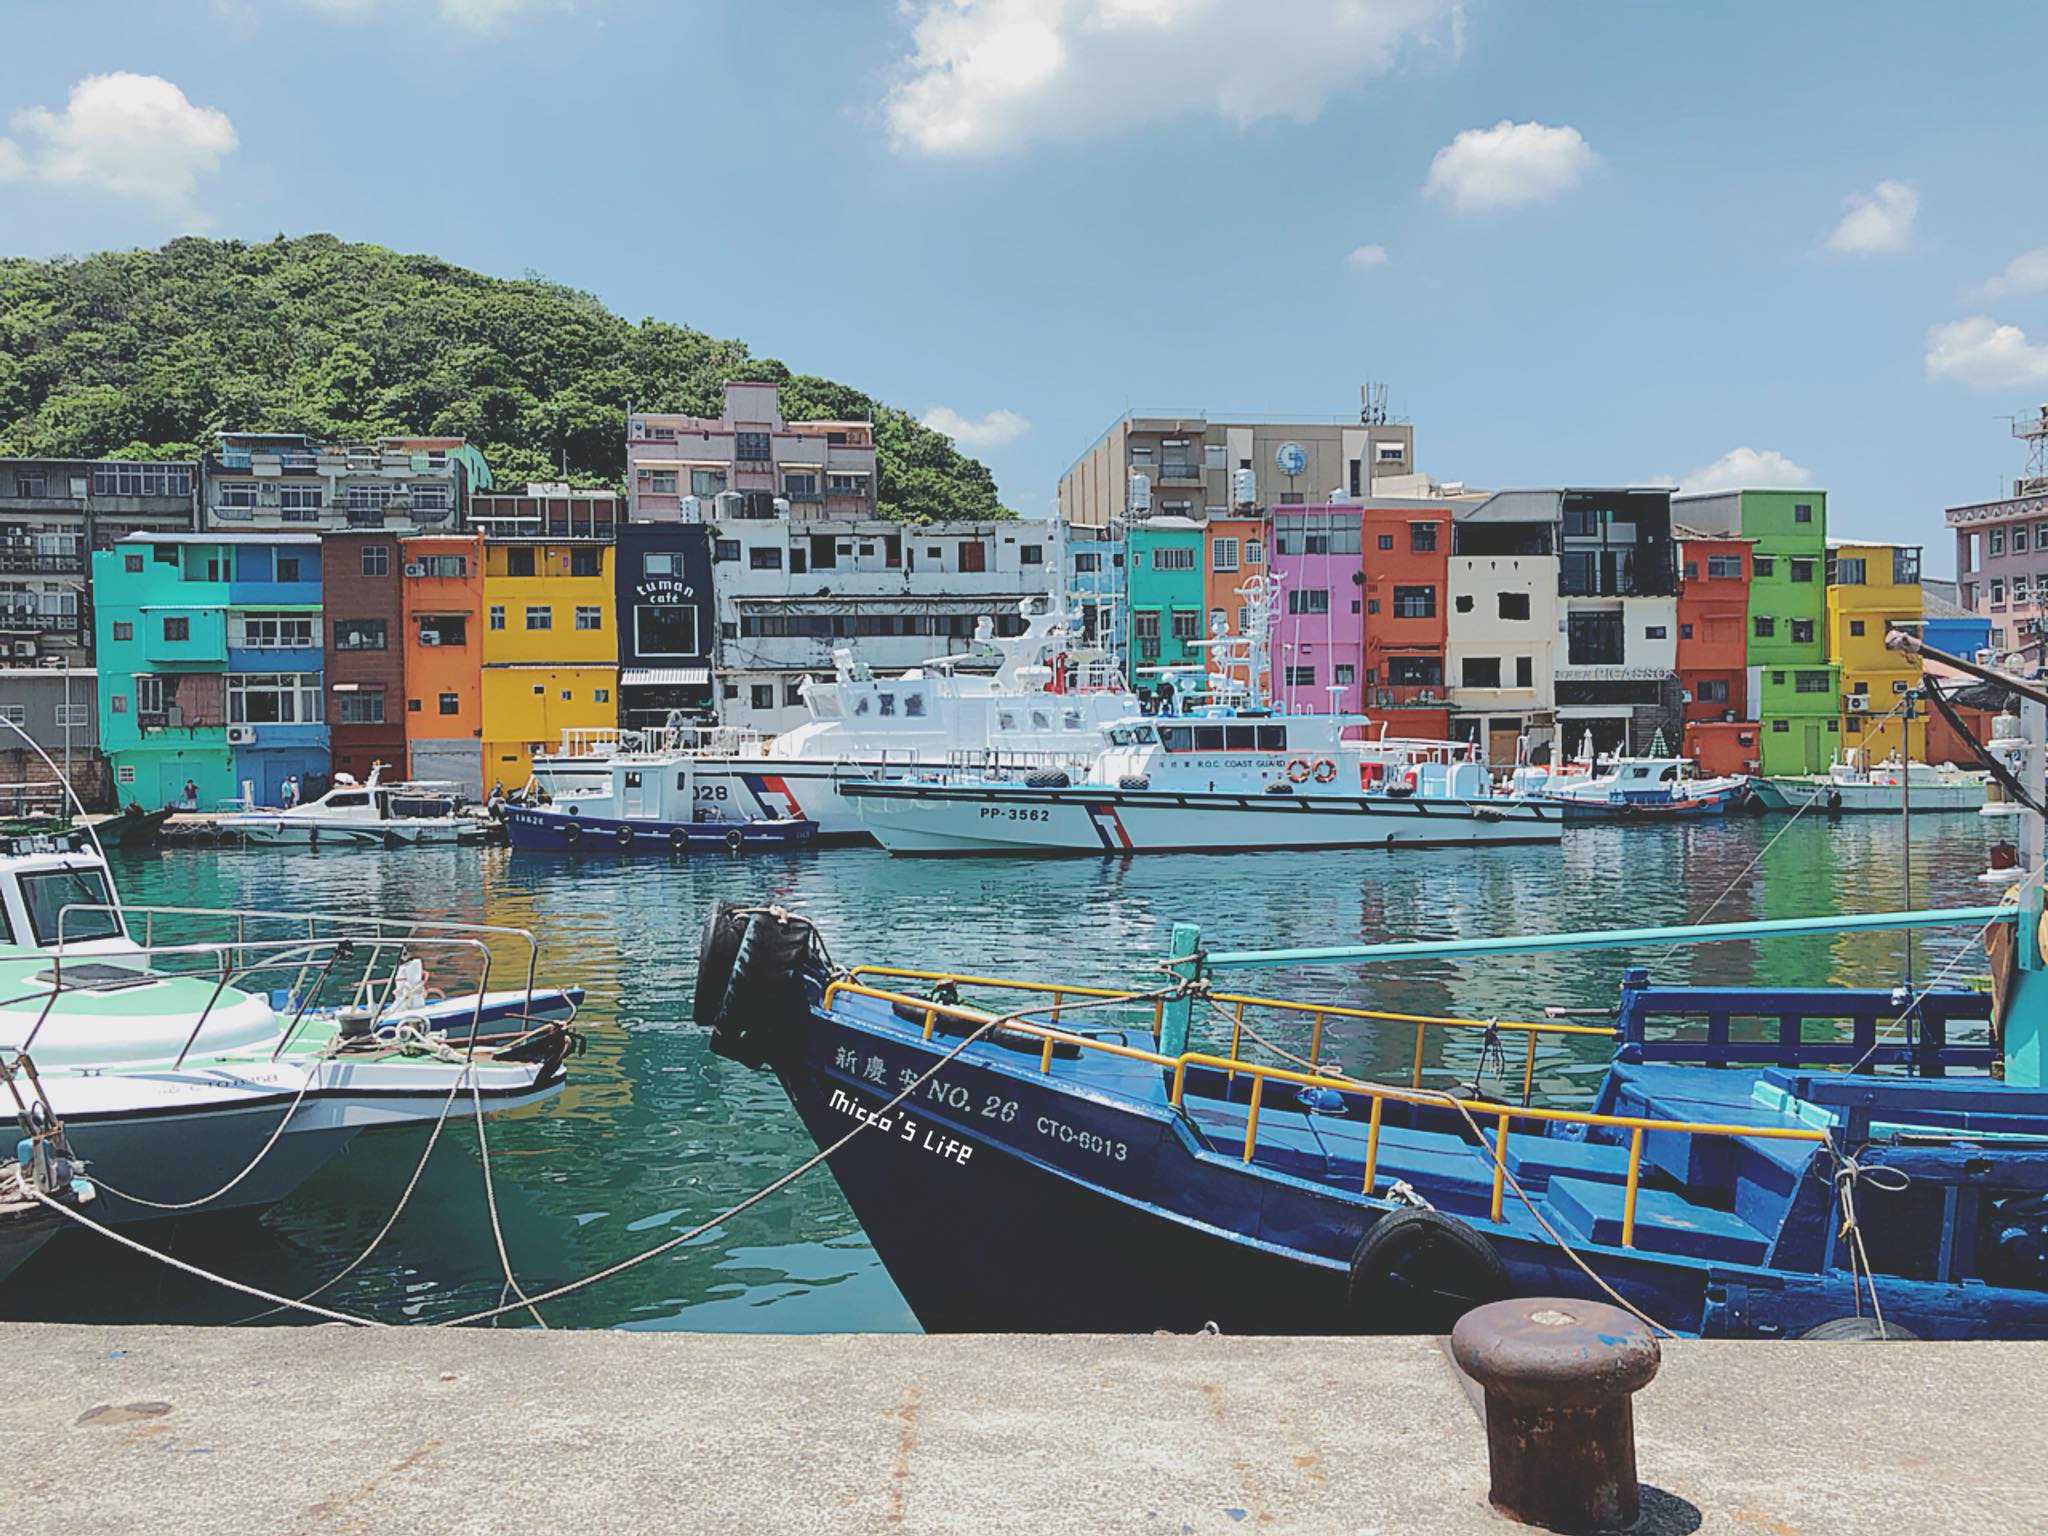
46,893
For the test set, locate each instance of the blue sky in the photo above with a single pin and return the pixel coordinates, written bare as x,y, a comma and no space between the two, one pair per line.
1668,234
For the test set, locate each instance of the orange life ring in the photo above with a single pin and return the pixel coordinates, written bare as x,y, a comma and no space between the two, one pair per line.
1411,778
1297,771
1325,770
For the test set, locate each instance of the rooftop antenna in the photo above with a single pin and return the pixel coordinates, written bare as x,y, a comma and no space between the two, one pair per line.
2033,431
1372,405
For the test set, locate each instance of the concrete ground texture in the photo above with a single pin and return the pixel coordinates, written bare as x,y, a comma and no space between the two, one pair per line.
334,1429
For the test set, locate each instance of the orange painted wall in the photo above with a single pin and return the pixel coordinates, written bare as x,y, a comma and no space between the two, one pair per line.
432,671
1713,628
1219,588
1412,710
1722,749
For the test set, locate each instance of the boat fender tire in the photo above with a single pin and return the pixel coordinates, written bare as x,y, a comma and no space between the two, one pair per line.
572,834
1048,778
718,942
757,1021
1400,791
1857,1329
1419,1271
623,837
733,839
678,840
1134,781
1279,787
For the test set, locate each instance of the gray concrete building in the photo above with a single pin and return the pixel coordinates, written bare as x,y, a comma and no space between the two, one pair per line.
1193,466
58,708
53,514
258,481
749,461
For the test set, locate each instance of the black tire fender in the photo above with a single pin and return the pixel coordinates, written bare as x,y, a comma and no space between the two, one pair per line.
1419,1271
1857,1329
623,837
757,1020
572,834
678,840
718,942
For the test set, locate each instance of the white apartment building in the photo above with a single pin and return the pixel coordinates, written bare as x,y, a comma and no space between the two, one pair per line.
791,590
262,481
1501,637
748,461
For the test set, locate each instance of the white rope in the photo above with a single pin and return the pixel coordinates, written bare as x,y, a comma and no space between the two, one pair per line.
262,1152
193,1269
483,1158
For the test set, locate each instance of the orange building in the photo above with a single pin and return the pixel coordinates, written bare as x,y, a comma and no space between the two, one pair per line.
1406,548
1234,549
1713,651
442,599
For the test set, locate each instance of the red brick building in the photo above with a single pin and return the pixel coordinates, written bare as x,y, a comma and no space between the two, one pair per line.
364,658
1406,548
1713,620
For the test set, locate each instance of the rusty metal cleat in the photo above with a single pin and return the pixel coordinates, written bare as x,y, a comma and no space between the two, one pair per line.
1560,1430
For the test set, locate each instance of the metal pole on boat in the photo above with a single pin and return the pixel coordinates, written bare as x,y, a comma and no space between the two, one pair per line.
1176,1013
1906,822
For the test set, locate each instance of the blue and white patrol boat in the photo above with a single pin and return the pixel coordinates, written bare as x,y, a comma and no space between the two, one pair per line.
1635,789
1755,1161
642,801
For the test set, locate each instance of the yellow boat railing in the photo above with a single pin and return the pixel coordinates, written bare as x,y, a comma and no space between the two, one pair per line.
1260,1074
1237,1003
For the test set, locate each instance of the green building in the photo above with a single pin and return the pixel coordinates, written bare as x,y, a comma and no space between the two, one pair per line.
1794,689
1163,587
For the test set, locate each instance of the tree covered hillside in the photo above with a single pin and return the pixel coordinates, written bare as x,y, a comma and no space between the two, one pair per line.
149,352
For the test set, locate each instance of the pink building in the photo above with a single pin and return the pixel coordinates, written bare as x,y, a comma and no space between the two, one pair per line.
1319,645
2002,562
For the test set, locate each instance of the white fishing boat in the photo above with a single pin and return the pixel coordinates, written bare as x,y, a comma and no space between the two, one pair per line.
1229,776
1848,787
217,1072
1631,789
372,814
1043,707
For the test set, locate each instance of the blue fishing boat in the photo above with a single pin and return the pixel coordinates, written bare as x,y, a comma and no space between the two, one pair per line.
1755,1161
645,801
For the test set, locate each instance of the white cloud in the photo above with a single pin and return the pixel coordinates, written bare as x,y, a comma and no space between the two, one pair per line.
2025,273
133,135
990,430
1741,468
1508,165
989,75
1979,350
1366,257
1878,220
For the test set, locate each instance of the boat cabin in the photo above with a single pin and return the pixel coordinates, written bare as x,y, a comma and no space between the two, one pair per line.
1331,754
54,889
648,786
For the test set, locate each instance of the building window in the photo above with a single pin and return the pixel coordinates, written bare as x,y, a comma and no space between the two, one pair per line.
1386,541
751,447
2019,539
1087,564
1685,631
589,616
118,704
1595,640
1481,672
1223,554
1713,690
586,562
763,695
1802,512
137,479
1725,566
149,693
519,560
1415,602
1525,672
707,483
1905,567
451,704
363,706
299,503
1802,570
177,629
1781,724
1309,600
1031,554
1187,623
1855,626
726,552
1692,570
239,494
275,698
1301,677
131,564
1802,631
1462,602
1145,624
539,616
1254,552
1514,605
1994,541
444,565
660,482
123,630
497,616
1654,632
359,635
444,629
600,695
376,559
1421,538
1764,625
1762,567
1809,682
1345,674
273,631
665,630
658,565
1173,557
287,567
763,558
1997,592
1847,572
800,484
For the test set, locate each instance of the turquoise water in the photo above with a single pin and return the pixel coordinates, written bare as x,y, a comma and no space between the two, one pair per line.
654,1134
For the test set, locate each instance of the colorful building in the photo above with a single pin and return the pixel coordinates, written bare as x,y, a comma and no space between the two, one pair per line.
211,660
2002,548
1321,635
1872,588
1233,551
1093,566
441,584
550,648
361,592
1163,580
288,481
1407,554
668,622
1713,652
1501,641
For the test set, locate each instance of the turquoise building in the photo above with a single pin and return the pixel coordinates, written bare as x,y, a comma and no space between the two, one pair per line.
209,652
1163,584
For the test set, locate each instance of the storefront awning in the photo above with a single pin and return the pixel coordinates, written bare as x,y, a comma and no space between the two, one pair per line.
664,677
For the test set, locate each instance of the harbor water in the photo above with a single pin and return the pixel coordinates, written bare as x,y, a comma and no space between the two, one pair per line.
654,1135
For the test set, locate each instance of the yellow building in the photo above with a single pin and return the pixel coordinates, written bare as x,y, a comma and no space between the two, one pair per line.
1873,588
550,648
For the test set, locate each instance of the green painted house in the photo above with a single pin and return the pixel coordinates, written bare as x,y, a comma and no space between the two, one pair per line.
1163,587
1793,687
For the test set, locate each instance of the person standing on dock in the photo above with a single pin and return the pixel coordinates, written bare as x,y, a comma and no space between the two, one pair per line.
291,790
191,802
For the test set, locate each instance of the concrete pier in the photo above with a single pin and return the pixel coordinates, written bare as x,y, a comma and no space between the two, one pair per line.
334,1429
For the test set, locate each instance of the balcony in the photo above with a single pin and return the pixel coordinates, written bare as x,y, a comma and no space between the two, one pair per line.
27,559
1176,471
28,621
366,517
1405,695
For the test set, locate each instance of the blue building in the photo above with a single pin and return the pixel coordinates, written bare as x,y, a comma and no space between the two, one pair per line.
1095,592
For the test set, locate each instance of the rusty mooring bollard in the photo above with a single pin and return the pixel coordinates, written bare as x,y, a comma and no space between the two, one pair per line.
1560,1431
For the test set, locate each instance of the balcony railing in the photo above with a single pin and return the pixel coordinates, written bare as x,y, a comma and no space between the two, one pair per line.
1180,471
1400,694
28,620
20,558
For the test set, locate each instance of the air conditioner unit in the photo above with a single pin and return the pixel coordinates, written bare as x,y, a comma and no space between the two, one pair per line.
415,568
430,637
1900,685
1857,703
241,735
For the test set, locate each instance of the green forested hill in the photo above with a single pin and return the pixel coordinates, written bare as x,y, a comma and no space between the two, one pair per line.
150,352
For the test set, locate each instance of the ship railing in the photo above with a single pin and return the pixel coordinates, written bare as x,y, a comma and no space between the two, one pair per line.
1321,1015
384,944
1378,1094
232,965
